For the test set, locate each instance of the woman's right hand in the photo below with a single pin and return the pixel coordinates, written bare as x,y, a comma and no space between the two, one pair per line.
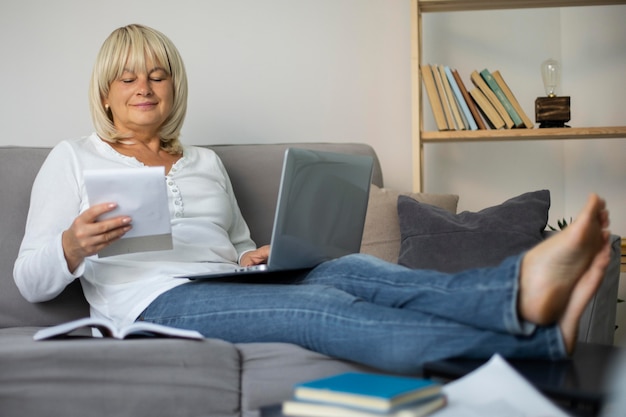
88,236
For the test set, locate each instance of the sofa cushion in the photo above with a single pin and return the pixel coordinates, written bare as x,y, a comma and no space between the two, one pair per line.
381,234
433,238
77,376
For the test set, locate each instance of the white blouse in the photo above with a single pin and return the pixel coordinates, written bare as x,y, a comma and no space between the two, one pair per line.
208,230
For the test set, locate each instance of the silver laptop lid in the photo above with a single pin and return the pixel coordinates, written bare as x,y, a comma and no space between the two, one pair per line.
321,208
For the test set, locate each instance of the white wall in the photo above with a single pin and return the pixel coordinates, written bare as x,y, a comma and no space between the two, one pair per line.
337,70
590,42
260,71
594,44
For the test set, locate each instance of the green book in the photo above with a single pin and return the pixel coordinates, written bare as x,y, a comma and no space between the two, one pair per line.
493,85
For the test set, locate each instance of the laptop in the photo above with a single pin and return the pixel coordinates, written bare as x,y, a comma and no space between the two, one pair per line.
320,212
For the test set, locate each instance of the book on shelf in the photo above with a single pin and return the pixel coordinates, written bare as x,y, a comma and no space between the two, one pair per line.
469,101
433,97
367,391
447,111
495,87
495,102
108,329
491,114
461,101
310,409
528,123
454,107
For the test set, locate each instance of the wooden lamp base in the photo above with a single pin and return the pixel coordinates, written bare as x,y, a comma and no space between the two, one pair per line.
552,111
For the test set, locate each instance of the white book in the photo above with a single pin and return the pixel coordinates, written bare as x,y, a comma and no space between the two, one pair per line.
107,329
310,409
140,193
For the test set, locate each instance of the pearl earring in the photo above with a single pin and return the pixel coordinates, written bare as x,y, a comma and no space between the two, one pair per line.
106,107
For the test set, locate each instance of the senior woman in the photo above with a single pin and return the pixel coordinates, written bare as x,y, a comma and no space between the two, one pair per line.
357,307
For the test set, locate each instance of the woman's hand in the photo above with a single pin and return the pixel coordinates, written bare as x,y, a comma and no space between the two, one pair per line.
87,236
255,257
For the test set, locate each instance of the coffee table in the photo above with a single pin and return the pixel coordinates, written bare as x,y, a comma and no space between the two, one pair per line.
577,384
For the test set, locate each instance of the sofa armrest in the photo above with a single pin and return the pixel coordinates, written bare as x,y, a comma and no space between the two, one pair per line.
597,324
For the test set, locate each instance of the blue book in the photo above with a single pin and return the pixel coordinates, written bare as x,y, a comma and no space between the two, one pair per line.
379,393
460,100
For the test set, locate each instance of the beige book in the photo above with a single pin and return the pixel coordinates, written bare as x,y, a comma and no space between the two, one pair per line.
433,97
493,99
444,99
509,94
490,112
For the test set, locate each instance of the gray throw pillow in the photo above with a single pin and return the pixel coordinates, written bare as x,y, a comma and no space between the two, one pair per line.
433,238
381,233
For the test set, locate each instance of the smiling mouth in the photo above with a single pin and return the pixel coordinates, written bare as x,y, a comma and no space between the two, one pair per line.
144,105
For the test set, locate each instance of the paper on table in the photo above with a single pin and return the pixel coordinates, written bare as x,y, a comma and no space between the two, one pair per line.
140,193
495,390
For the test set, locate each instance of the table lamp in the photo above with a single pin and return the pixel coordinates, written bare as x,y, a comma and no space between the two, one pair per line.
552,111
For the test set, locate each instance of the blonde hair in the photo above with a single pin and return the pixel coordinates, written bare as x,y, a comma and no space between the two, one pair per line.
130,47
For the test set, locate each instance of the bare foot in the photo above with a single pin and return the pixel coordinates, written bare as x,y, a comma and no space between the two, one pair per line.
551,271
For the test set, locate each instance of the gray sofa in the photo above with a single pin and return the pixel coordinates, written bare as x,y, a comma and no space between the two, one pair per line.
173,377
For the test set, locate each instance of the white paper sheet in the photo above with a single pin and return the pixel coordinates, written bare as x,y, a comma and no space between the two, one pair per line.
496,390
140,193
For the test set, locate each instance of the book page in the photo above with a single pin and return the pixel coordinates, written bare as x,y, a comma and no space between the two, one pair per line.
144,328
140,193
495,390
106,329
71,326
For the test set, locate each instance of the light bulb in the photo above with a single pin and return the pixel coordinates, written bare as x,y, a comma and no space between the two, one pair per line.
551,74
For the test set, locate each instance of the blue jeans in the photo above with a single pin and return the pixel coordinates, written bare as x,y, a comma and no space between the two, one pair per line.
362,309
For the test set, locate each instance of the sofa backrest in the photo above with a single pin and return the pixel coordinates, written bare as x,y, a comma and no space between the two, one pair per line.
18,168
255,174
254,171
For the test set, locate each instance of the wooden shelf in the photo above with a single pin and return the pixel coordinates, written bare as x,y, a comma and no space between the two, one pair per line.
419,137
467,5
612,132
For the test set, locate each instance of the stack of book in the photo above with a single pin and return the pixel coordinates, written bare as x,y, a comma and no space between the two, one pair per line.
365,395
489,103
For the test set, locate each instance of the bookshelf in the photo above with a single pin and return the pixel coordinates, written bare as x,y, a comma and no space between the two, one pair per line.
421,137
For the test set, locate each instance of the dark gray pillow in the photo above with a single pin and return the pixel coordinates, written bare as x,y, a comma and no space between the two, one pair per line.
433,238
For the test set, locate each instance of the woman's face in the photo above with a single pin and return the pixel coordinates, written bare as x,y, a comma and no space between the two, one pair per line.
141,102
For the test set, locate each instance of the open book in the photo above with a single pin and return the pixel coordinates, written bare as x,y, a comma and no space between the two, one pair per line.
106,327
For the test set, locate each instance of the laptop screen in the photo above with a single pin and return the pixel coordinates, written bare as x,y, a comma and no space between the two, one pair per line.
321,207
